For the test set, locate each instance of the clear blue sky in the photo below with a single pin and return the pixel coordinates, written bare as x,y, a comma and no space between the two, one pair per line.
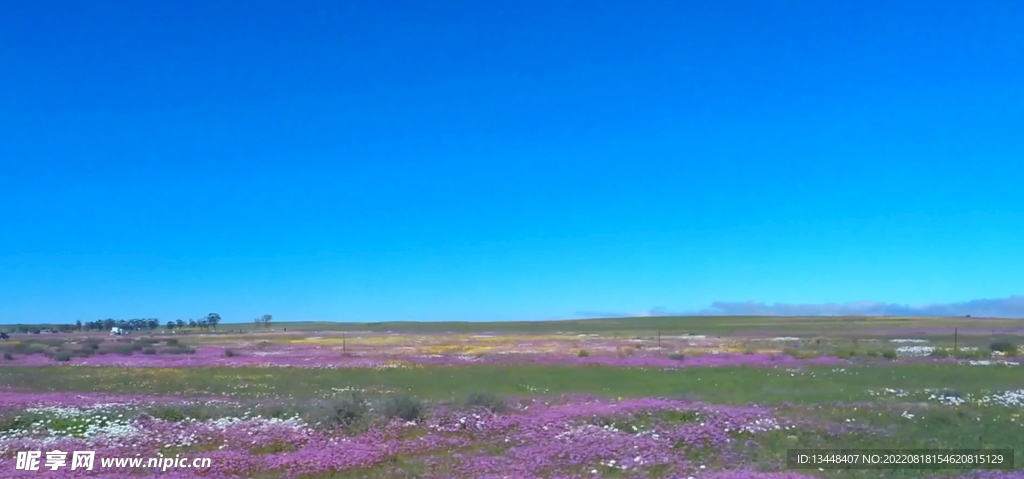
374,161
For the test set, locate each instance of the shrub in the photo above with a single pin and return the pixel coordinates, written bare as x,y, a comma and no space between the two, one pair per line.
1001,346
171,342
490,402
583,353
344,412
677,356
149,351
889,354
973,354
8,356
91,343
198,412
179,350
62,357
349,411
749,351
1004,347
846,353
83,353
403,407
940,353
229,353
873,354
26,347
123,349
275,447
798,354
170,413
275,411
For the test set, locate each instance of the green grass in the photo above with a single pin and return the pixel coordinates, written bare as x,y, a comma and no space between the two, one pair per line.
895,426
718,384
812,325
670,325
818,395
821,397
879,426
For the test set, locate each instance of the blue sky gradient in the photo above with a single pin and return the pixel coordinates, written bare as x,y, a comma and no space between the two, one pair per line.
525,160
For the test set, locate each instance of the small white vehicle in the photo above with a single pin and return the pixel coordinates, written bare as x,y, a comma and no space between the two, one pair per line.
118,331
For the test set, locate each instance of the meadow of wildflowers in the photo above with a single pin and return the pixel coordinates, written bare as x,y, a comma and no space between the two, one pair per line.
487,406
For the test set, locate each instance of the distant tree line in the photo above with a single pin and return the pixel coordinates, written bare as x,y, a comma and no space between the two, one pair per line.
138,324
264,320
210,321
97,325
35,328
107,324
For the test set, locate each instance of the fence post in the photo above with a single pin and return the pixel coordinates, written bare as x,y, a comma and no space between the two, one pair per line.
954,339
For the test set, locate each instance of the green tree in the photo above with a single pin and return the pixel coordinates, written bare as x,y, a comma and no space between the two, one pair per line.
213,319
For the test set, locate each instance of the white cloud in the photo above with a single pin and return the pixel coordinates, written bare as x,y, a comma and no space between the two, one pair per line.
1011,307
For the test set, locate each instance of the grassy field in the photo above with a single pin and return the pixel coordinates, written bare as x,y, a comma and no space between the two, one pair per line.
726,385
585,399
682,324
881,326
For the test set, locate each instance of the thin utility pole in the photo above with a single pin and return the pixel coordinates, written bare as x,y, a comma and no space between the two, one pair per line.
954,339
